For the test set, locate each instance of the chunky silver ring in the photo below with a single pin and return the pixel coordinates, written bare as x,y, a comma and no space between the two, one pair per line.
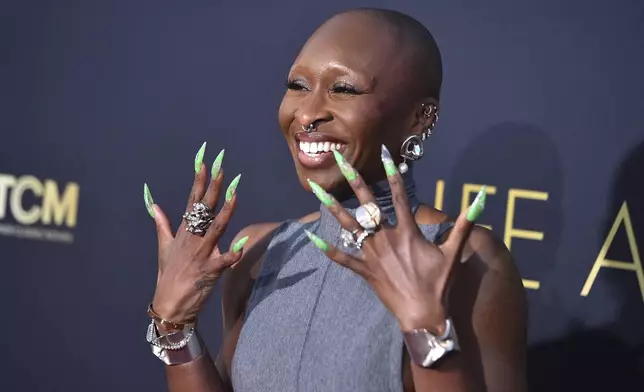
199,219
349,237
308,129
363,236
368,216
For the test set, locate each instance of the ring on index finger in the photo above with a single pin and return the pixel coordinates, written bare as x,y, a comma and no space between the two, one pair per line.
369,216
199,219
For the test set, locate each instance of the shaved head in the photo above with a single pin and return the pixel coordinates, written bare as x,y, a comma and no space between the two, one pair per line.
415,44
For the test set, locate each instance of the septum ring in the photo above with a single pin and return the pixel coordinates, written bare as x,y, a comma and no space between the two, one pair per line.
199,219
308,129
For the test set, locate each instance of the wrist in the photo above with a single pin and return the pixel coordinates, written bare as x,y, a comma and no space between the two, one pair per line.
169,324
432,318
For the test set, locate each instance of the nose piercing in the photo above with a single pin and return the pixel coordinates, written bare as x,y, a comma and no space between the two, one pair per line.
308,129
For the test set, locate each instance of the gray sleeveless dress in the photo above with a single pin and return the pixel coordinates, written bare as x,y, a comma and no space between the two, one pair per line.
313,325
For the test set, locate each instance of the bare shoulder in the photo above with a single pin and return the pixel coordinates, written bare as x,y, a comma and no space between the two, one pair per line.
483,246
488,299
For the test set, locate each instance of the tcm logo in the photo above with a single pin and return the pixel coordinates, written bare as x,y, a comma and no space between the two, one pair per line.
30,201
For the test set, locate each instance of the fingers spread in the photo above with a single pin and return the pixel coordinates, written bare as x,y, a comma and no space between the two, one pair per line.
220,223
199,184
465,222
345,260
360,188
346,220
216,180
398,191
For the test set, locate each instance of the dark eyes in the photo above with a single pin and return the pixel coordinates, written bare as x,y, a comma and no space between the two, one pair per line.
337,88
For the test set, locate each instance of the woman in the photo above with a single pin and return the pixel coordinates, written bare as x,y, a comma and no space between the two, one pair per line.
374,292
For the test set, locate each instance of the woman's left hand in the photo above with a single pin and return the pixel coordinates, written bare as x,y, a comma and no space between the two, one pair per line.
410,275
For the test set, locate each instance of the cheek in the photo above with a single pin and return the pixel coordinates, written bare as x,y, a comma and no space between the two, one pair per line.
286,114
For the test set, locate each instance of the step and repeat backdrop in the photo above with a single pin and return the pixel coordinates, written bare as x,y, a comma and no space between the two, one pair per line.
543,102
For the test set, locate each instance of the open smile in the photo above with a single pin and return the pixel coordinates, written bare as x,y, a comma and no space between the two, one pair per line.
315,151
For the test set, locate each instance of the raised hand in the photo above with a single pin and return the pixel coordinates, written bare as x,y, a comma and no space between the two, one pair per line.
409,274
190,261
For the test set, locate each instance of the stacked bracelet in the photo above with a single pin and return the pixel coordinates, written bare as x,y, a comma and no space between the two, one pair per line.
176,347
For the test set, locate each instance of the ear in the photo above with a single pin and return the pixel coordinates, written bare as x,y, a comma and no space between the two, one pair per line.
424,116
427,115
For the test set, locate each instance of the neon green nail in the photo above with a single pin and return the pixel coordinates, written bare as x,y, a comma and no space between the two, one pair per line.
390,166
321,194
239,245
230,192
477,206
199,157
317,241
345,167
216,165
147,198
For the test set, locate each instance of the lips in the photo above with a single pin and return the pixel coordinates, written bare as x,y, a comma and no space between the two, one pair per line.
315,151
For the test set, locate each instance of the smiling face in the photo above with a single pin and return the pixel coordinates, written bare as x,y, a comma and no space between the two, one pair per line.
352,82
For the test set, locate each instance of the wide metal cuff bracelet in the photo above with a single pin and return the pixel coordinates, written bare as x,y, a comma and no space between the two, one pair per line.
175,348
426,349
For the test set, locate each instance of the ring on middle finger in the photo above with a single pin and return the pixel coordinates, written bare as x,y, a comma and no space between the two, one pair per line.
368,216
199,219
349,237
363,236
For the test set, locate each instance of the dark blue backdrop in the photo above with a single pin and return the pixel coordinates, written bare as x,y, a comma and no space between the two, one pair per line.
541,100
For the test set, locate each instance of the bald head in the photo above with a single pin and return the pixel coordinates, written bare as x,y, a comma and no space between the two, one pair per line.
414,45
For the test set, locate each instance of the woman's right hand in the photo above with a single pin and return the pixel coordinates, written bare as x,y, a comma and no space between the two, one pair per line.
189,264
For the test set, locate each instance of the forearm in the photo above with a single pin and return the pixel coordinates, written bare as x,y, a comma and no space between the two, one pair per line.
199,375
449,376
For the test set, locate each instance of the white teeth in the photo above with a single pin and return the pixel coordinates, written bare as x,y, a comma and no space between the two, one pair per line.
312,148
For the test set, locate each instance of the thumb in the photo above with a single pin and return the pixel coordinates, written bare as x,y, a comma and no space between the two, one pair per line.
164,232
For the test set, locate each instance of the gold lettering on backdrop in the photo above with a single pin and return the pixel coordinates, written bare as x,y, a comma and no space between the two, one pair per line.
25,216
468,189
6,182
439,194
601,261
509,231
512,232
62,208
55,207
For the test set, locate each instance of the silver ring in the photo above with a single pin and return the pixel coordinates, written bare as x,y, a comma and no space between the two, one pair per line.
308,129
349,238
199,219
363,236
368,216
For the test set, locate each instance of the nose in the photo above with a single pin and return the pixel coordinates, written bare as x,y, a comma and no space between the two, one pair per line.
313,110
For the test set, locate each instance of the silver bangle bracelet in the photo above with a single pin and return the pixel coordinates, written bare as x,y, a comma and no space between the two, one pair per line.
177,347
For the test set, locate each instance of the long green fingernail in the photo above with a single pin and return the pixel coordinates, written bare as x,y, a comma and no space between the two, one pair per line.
239,244
230,192
317,241
346,169
388,162
321,194
199,157
216,165
147,197
477,206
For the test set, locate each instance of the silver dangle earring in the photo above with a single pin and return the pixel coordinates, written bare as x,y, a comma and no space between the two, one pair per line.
412,148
